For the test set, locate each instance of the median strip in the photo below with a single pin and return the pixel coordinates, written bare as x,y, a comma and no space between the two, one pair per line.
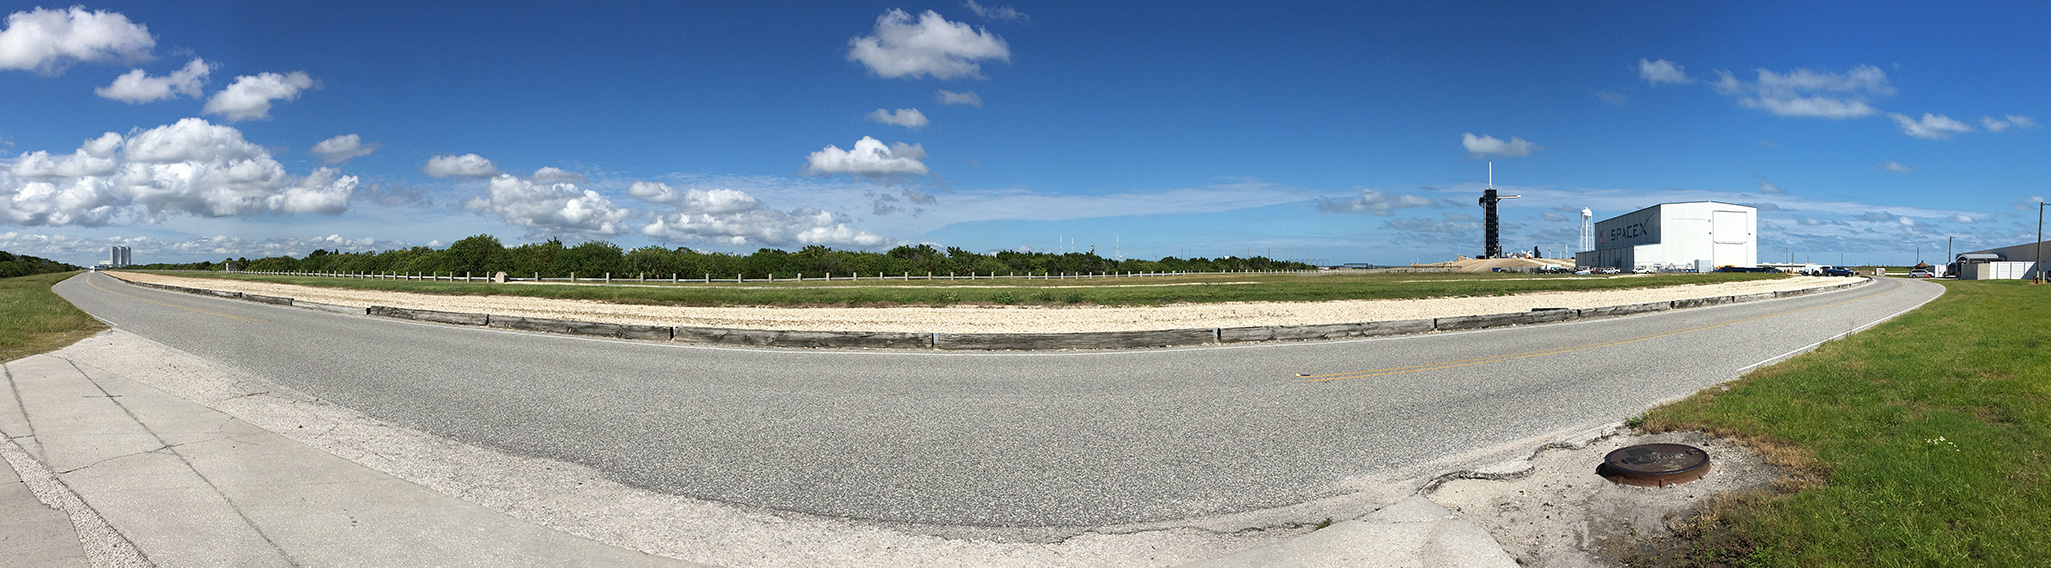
1001,341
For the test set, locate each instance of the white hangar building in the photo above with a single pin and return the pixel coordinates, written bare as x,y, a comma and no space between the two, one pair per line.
1678,236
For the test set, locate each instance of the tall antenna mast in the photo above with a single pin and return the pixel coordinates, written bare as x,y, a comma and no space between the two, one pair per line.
1491,175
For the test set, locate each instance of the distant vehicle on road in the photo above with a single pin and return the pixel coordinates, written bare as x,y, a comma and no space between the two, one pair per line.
1920,273
1838,271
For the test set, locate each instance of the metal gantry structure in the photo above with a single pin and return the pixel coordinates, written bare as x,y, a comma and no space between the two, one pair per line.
1491,246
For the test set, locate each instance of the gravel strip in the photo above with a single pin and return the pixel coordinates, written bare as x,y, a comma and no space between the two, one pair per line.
994,319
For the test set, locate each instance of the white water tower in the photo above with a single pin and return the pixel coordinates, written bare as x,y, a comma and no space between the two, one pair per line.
1587,230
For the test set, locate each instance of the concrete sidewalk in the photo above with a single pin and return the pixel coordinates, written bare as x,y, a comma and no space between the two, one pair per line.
181,484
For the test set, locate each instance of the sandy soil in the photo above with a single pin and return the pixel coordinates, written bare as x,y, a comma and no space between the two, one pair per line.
993,319
1557,512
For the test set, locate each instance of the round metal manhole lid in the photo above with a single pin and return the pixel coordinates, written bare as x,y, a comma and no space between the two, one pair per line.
1654,465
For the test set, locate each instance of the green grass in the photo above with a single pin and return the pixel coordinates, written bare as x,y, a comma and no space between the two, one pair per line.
34,319
1100,291
1925,441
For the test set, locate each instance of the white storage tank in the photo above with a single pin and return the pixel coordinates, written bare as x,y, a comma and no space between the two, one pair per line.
1676,237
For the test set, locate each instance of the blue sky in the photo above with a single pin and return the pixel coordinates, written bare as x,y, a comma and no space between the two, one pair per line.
1355,132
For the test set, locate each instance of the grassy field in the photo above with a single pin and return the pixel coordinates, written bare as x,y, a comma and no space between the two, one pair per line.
34,320
1925,441
1102,291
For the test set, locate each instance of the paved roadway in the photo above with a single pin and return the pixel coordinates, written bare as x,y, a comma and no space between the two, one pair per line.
994,440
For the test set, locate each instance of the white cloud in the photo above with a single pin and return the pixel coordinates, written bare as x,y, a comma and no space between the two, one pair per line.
869,159
46,41
190,167
550,209
2007,122
1662,71
342,149
1374,201
1004,13
1770,189
1806,93
932,46
1612,98
1961,218
250,96
137,87
549,174
800,227
905,117
465,166
1484,145
1896,167
946,97
150,250
1931,126
718,200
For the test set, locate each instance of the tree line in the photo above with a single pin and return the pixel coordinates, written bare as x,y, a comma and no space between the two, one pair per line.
483,255
12,265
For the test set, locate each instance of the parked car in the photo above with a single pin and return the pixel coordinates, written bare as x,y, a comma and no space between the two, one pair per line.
1920,273
1838,271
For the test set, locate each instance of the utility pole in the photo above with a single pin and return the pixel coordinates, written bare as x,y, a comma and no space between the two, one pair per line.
2040,244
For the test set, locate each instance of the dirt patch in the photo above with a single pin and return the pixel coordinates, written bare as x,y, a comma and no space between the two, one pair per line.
1558,513
995,319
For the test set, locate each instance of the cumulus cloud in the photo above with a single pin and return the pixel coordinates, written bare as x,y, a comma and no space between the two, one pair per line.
2007,122
152,249
1004,13
549,174
905,117
1806,93
715,201
1374,201
932,46
946,97
1896,167
1770,189
47,41
190,167
250,96
1931,126
342,149
1484,145
733,218
869,159
1662,71
550,209
1612,98
464,166
137,87
1961,218
804,226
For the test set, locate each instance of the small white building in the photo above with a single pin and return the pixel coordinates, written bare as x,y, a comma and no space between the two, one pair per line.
1693,235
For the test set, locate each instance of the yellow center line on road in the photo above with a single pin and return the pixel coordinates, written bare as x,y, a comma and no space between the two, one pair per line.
1561,350
96,286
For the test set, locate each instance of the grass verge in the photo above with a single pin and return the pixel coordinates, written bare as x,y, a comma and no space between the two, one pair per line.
34,319
1921,442
1108,291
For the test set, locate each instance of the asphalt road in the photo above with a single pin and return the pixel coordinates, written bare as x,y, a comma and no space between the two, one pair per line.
994,440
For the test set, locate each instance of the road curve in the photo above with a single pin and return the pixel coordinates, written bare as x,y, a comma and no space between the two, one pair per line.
1075,439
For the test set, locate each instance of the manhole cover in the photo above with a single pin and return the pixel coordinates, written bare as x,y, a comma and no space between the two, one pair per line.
1654,465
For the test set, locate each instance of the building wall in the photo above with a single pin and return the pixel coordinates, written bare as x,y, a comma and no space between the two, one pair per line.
1676,234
